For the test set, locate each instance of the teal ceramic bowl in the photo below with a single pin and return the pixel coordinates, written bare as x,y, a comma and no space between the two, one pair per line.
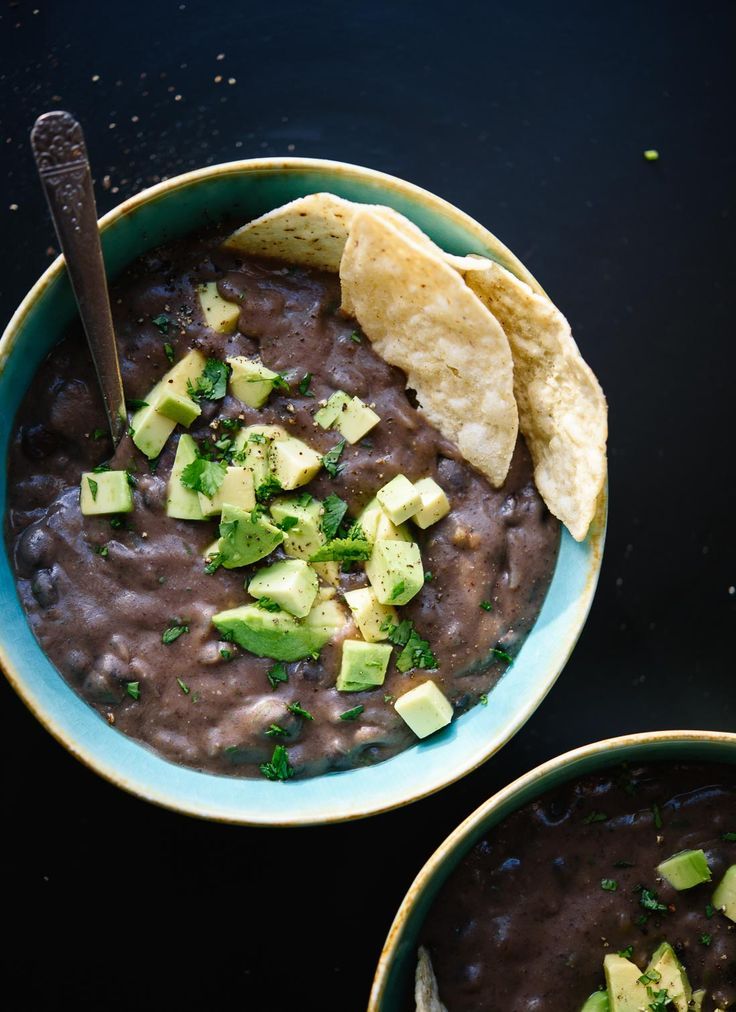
394,980
170,209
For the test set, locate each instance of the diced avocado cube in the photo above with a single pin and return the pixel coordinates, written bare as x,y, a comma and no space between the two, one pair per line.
236,488
105,492
303,539
253,444
327,416
292,584
355,419
293,463
670,976
686,869
395,571
150,427
371,617
364,665
724,898
250,381
219,314
151,430
399,499
598,1002
377,527
435,503
245,537
626,993
178,407
278,634
425,709
183,502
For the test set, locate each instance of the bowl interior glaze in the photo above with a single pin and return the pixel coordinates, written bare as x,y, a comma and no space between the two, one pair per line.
243,190
394,980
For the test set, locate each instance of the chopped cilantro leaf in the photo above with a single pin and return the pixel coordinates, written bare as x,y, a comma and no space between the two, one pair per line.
279,382
657,816
304,499
729,837
502,655
335,509
709,910
93,486
267,604
627,953
331,458
287,523
355,336
99,433
342,550
279,768
486,606
428,576
398,590
277,673
649,899
204,476
705,939
609,884
650,977
135,404
256,437
227,655
183,686
102,550
483,699
169,352
162,322
268,489
133,689
173,632
211,384
304,385
595,817
398,634
101,468
299,710
659,1000
416,652
276,731
352,714
116,523
213,563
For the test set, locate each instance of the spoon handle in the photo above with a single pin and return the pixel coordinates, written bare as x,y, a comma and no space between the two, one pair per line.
61,157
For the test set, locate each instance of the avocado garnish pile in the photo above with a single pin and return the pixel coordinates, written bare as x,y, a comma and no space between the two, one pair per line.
254,484
664,984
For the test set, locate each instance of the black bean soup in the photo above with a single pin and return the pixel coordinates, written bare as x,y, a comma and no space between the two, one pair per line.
99,595
526,919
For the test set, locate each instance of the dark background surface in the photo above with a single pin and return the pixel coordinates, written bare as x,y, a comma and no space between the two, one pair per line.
534,120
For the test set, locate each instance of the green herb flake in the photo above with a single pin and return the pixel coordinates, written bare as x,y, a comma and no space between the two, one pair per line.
277,673
162,322
98,434
279,768
117,523
343,550
297,709
102,550
610,885
214,563
595,817
651,155
304,385
483,699
705,939
428,576
279,382
331,458
627,953
276,731
416,653
211,384
288,523
133,689
355,336
335,509
657,816
169,352
268,489
183,686
204,476
709,910
173,632
486,605
650,977
624,864
135,404
267,604
659,1000
93,486
304,499
398,590
100,469
649,899
256,437
352,714
729,837
388,698
502,655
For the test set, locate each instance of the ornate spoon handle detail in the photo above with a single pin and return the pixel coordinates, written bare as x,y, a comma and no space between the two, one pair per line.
61,157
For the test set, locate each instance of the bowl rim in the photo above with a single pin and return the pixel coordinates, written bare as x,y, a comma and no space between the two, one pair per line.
458,838
197,806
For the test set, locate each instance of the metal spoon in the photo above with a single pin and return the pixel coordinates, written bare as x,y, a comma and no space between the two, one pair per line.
61,158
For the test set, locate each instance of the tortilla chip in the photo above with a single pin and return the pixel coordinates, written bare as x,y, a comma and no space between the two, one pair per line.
426,993
311,231
562,409
421,316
